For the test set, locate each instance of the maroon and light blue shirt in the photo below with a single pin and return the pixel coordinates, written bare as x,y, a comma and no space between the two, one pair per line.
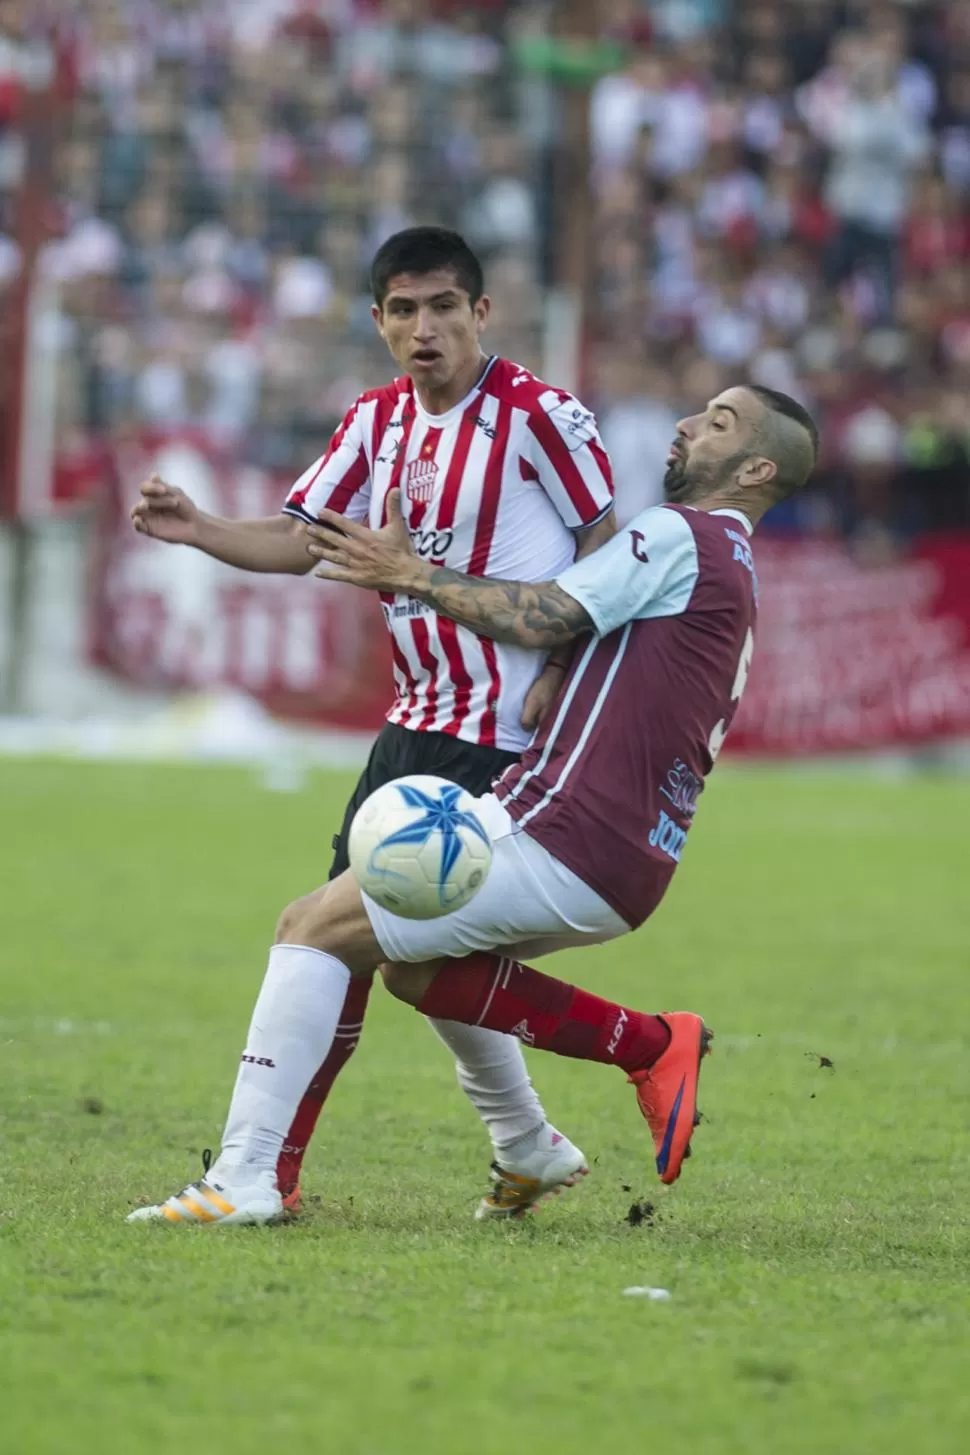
610,783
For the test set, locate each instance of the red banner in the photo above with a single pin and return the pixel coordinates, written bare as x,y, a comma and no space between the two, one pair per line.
847,656
168,617
850,656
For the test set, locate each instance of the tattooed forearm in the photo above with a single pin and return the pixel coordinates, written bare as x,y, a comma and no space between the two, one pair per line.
542,615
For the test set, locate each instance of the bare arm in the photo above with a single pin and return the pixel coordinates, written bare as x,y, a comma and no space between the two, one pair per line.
540,615
277,543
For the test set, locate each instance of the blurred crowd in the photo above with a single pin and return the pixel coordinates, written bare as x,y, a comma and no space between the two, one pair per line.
782,191
779,191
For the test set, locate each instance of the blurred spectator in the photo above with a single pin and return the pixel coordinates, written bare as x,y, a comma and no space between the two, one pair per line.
782,193
779,191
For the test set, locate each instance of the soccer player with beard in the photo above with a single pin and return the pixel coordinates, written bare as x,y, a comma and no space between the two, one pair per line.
587,829
499,475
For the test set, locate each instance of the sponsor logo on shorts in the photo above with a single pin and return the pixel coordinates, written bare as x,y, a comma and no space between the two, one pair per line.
258,1060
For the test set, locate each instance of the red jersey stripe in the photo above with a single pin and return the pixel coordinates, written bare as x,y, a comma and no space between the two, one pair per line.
460,675
487,735
491,490
300,496
478,563
603,461
355,477
456,469
428,660
565,467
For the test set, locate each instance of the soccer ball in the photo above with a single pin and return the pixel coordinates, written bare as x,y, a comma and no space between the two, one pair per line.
418,847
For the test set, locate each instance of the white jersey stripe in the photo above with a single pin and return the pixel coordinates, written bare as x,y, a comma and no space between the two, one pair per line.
590,723
564,706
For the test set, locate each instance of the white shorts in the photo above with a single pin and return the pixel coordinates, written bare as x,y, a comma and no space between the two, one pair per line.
530,905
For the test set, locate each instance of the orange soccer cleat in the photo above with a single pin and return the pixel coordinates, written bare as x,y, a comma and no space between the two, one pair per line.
667,1092
292,1201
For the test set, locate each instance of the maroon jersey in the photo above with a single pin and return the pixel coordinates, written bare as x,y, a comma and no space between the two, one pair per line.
610,784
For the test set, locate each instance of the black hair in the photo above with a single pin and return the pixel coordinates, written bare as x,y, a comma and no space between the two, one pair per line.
788,449
426,250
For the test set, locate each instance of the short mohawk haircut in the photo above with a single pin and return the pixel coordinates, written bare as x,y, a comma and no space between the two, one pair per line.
793,450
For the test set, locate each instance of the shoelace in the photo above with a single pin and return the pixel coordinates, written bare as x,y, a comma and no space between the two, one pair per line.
207,1160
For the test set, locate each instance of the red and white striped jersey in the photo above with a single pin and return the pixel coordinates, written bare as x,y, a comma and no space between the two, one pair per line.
493,488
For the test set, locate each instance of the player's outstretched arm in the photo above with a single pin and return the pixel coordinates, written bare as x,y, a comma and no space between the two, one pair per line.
275,544
538,615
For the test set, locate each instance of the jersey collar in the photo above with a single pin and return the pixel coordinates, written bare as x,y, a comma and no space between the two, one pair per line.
441,421
738,515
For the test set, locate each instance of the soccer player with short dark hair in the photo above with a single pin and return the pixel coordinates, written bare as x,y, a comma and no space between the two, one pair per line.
499,474
587,829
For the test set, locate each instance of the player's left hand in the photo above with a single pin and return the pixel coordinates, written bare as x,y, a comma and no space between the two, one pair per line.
379,560
542,694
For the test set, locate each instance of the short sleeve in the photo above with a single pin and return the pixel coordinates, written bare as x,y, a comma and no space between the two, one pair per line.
565,454
338,480
648,569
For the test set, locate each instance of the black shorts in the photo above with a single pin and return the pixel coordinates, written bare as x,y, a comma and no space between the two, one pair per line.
399,751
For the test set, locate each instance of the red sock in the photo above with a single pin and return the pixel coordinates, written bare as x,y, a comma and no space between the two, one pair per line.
345,1044
487,990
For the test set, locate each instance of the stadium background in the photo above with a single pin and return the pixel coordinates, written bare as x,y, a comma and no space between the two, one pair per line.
188,196
667,196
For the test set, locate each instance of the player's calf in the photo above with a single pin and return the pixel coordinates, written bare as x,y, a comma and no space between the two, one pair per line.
661,1054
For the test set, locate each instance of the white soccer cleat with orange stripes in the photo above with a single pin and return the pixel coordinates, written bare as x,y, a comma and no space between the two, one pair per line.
245,1197
537,1167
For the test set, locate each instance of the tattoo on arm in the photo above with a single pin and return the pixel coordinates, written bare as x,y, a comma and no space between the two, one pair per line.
541,615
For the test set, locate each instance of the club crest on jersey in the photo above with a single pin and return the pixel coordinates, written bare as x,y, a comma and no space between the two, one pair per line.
419,480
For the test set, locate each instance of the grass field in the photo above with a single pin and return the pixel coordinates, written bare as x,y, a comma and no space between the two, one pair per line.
817,1249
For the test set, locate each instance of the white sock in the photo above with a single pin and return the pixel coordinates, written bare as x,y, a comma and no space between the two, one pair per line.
289,1038
492,1074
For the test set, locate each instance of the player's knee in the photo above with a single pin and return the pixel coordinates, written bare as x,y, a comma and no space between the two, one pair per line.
406,982
332,919
299,920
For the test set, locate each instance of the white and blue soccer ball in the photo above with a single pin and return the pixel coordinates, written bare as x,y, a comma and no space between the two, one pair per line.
419,848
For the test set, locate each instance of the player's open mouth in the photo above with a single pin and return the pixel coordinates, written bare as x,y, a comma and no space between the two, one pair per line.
425,356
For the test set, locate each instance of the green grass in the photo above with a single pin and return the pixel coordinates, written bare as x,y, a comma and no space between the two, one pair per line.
816,1250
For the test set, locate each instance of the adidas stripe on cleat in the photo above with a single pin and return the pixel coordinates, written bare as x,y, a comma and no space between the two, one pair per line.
246,1198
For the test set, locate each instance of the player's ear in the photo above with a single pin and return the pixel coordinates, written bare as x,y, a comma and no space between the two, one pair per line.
377,314
758,471
481,310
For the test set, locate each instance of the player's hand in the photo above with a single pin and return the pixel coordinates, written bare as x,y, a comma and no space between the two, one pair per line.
542,694
379,560
165,513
